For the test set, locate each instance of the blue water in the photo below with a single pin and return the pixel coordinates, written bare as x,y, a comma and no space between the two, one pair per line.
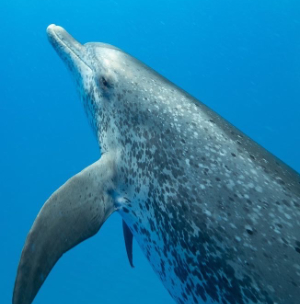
240,57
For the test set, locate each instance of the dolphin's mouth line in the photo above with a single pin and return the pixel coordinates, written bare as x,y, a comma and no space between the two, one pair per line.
60,41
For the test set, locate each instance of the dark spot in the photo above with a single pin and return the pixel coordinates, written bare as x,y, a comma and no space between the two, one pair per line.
125,210
250,231
200,292
233,154
294,284
227,168
281,182
286,203
119,96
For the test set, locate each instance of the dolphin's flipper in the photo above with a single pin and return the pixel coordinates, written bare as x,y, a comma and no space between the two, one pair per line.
128,236
73,213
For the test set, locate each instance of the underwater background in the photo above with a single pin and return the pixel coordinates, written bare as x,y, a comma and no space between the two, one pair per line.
240,57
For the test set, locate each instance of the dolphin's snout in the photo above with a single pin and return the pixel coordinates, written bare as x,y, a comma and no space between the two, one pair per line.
51,27
68,48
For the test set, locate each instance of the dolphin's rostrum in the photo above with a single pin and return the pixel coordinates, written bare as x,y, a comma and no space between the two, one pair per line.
217,216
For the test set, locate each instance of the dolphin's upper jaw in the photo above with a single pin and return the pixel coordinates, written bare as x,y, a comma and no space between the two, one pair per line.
75,56
69,49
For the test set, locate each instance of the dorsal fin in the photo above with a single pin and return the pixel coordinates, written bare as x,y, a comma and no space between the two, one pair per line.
128,242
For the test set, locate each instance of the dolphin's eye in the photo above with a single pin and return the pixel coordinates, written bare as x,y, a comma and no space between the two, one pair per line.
104,82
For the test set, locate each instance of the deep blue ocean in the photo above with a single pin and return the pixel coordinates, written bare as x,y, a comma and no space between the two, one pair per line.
240,57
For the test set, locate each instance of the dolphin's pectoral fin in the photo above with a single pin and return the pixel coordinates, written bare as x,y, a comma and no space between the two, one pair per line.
128,237
73,213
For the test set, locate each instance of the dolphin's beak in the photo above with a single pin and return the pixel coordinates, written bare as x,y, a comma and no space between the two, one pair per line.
72,214
68,48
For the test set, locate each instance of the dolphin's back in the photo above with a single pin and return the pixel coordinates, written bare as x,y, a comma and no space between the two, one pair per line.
221,214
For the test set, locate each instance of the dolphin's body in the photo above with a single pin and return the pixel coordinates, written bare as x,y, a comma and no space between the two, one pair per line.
217,216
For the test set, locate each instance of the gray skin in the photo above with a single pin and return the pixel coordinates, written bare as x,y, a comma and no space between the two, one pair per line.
217,216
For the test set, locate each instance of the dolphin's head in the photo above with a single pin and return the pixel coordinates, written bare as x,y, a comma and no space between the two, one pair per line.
102,72
116,89
89,65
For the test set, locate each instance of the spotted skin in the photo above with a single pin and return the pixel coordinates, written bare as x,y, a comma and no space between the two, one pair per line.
217,216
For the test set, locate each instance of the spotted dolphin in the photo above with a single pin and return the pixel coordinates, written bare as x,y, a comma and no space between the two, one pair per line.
217,216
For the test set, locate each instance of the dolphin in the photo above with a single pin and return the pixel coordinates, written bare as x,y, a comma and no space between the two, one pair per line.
217,216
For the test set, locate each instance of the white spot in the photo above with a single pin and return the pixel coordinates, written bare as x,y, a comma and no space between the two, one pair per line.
253,171
287,216
238,238
208,213
230,184
258,189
